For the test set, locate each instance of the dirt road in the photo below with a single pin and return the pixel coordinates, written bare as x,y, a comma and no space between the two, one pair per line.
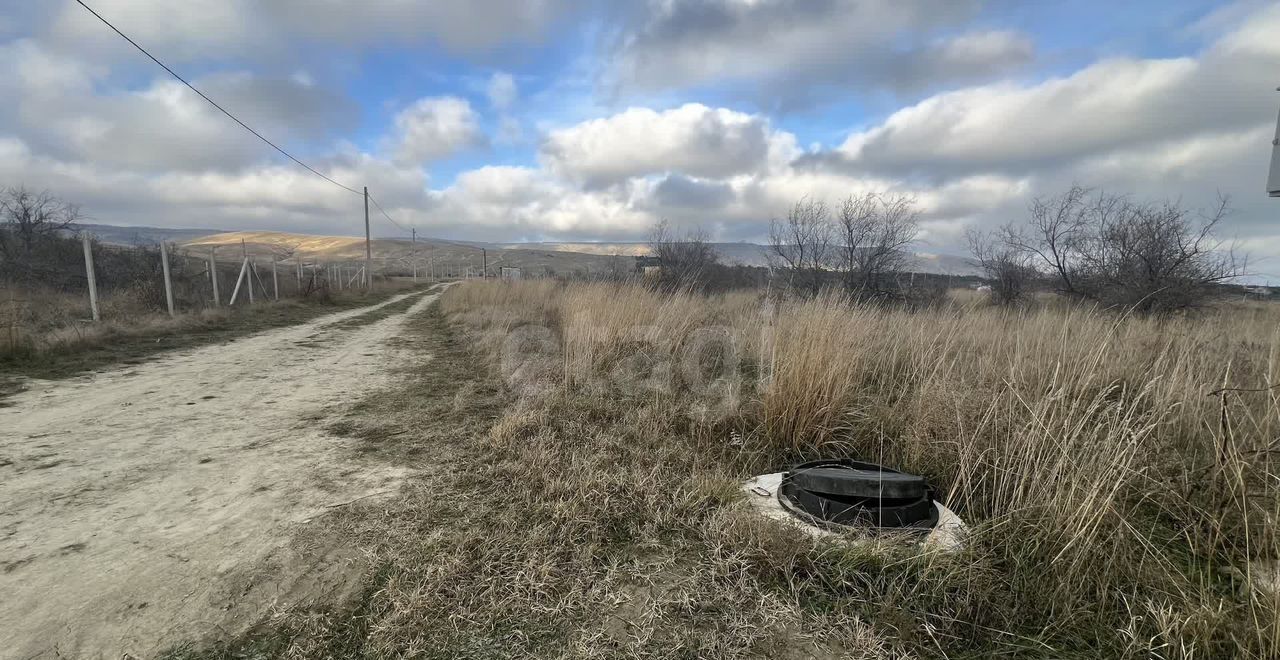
147,505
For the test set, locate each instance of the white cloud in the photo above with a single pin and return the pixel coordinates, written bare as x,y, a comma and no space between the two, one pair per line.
433,128
54,103
206,29
1184,128
214,29
151,152
1108,106
502,90
787,48
694,139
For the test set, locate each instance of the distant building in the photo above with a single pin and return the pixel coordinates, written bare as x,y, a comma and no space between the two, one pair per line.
648,265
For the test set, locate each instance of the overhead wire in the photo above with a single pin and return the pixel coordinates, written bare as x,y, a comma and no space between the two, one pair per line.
386,215
233,117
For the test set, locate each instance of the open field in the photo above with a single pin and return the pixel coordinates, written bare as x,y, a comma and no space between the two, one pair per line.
151,503
585,493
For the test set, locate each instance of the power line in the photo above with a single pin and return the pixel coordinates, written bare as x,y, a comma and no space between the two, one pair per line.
384,214
212,102
224,111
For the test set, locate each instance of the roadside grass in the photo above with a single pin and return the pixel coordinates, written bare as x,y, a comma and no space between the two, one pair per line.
580,449
383,312
77,348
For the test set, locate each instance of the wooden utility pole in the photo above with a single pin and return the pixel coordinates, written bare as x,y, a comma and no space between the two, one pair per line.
168,284
368,249
213,274
93,280
484,261
414,232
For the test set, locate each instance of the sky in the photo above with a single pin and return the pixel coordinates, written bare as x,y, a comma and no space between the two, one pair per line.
574,120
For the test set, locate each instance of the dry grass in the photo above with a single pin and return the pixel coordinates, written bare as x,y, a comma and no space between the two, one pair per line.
580,497
1116,501
47,334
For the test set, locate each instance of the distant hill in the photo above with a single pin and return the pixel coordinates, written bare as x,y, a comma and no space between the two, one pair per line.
747,254
541,257
401,253
116,235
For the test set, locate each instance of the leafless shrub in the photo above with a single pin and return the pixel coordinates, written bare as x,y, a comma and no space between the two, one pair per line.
686,263
1151,257
874,231
1008,269
800,244
28,216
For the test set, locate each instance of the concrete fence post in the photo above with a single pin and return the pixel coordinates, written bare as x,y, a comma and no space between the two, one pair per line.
244,268
168,282
213,275
93,280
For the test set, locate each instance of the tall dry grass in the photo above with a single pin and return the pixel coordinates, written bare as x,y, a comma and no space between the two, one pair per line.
1118,472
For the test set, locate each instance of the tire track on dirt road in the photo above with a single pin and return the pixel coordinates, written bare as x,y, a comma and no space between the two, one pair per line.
152,504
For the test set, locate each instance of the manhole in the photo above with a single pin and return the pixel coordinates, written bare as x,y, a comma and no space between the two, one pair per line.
848,492
855,501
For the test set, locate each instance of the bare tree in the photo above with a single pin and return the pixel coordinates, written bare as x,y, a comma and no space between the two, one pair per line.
874,232
1007,267
800,244
1150,257
26,217
684,263
1156,257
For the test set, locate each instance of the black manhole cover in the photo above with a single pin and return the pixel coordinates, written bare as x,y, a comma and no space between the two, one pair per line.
848,492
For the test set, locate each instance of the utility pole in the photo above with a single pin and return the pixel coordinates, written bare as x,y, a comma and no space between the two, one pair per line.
368,250
414,232
484,264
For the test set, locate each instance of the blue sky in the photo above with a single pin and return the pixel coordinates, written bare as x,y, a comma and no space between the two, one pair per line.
582,120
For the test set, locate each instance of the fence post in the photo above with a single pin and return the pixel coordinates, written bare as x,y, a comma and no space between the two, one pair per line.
244,266
213,274
93,280
275,278
168,283
253,275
